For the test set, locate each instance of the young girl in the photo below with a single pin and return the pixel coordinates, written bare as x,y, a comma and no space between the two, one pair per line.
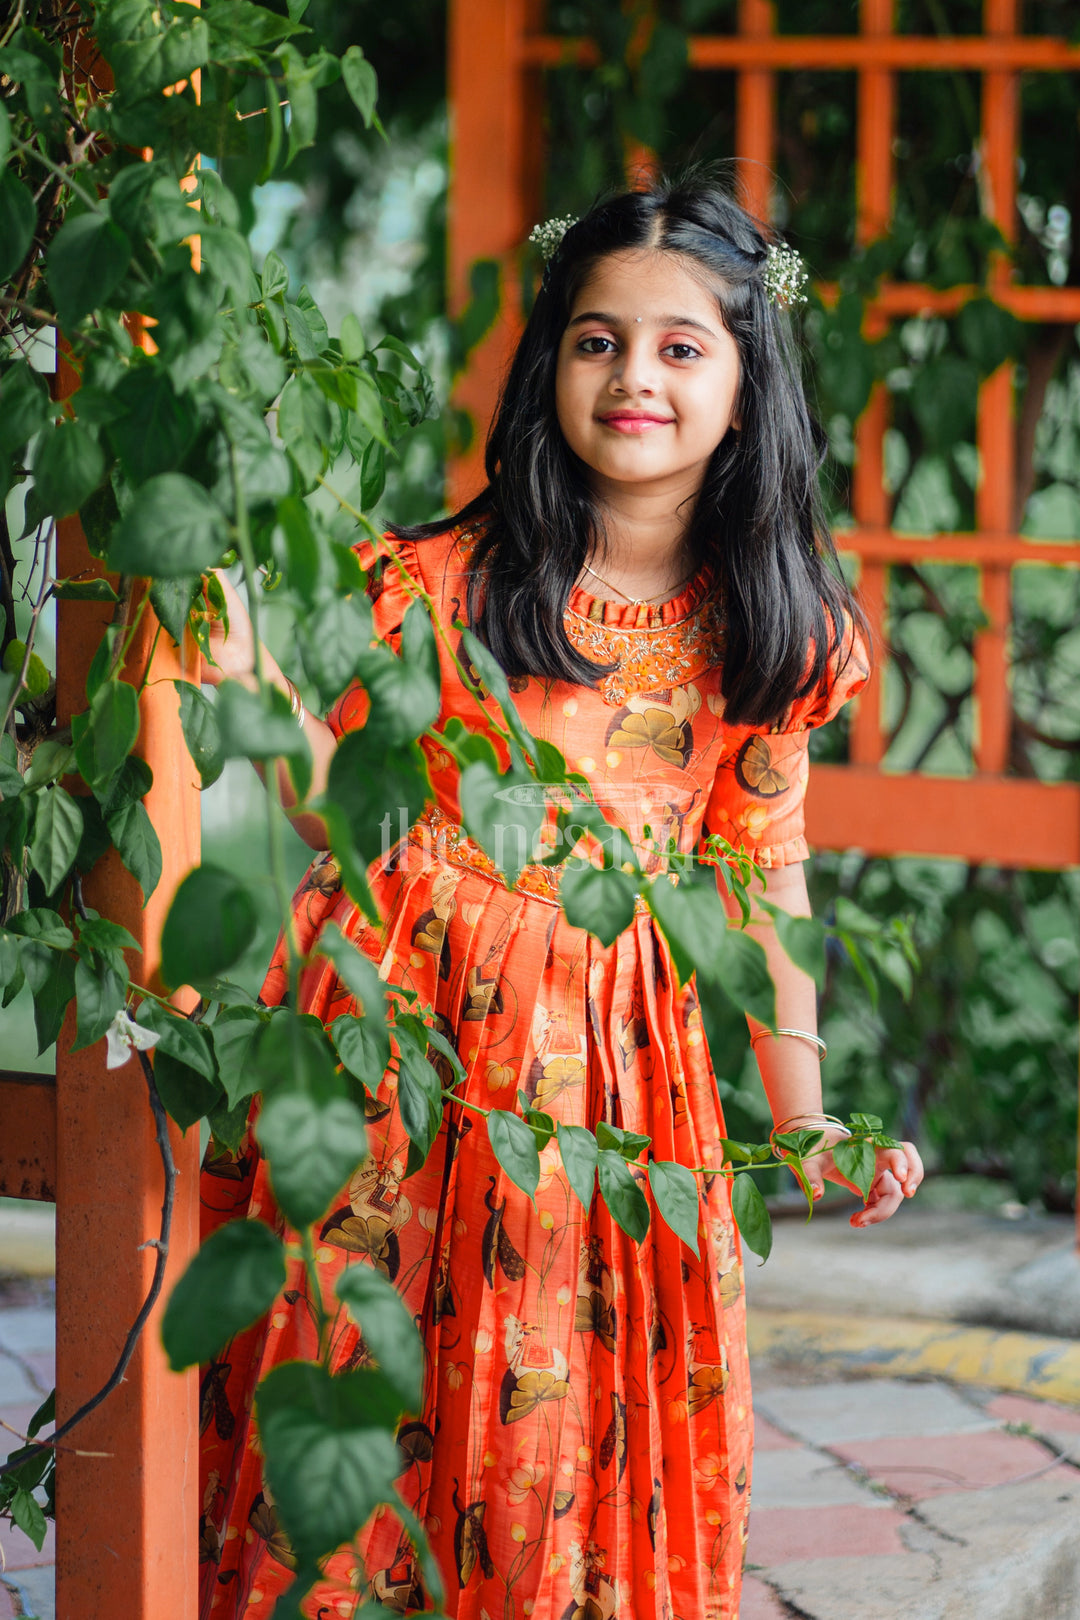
648,564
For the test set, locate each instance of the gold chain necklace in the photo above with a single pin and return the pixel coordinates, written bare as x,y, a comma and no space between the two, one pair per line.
639,601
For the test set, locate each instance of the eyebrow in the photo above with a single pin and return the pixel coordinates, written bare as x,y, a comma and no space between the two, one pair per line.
607,319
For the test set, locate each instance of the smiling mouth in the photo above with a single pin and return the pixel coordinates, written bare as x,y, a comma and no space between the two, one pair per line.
629,422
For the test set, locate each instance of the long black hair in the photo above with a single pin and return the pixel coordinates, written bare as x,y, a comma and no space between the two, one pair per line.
757,520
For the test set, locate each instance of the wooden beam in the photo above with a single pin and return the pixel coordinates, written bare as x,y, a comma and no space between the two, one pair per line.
902,53
996,821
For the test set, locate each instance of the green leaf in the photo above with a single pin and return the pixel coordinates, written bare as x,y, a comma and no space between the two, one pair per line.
100,934
331,640
675,1193
360,1050
314,1145
404,691
857,1161
353,346
45,926
110,734
389,1331
199,724
171,530
505,823
234,1033
751,1216
380,790
261,725
52,997
23,1507
493,678
132,831
622,1195
330,1452
275,275
988,333
210,924
18,221
101,990
291,1054
187,1042
360,977
514,1145
803,940
361,81
579,1156
232,1280
156,425
600,901
943,398
86,262
68,467
171,600
741,970
302,98
628,1144
187,1095
58,829
84,590
419,1091
24,406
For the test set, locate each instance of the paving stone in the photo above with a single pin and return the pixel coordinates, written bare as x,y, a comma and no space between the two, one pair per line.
37,1591
859,1588
1045,1417
16,1386
18,1551
7,1604
918,1466
802,1478
768,1438
868,1409
28,1329
758,1602
777,1535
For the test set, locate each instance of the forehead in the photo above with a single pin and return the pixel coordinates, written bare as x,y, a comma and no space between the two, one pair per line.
641,281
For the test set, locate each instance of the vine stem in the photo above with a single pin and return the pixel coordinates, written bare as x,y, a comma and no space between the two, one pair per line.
160,1245
62,174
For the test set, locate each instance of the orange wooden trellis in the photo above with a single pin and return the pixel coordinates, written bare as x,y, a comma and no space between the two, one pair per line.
498,52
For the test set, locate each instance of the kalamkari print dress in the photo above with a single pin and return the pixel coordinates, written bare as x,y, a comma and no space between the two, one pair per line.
584,1447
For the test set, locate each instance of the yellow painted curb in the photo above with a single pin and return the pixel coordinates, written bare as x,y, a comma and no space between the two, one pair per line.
1024,1363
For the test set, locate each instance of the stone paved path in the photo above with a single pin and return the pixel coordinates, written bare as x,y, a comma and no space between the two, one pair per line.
27,1374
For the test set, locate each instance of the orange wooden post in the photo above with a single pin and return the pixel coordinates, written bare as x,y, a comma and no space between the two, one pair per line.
755,114
495,133
126,1523
870,500
994,500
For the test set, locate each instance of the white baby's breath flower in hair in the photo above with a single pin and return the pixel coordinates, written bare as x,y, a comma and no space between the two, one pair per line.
548,236
124,1034
784,276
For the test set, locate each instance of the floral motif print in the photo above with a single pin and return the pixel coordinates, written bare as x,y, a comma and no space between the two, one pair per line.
583,1447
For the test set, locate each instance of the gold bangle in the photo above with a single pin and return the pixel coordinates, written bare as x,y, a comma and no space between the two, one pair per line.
296,703
797,1034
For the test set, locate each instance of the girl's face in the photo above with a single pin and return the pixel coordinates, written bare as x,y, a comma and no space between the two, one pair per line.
647,375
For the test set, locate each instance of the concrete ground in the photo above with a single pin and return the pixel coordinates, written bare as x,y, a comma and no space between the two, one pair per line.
917,1402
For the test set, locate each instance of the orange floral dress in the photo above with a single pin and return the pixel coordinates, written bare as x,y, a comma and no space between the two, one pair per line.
584,1447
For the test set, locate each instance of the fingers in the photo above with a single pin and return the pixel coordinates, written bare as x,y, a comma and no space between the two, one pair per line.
886,1196
905,1164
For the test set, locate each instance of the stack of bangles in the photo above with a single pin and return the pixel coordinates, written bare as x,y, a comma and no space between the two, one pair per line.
808,1122
296,703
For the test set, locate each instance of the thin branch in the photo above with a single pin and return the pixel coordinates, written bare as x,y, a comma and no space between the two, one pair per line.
43,596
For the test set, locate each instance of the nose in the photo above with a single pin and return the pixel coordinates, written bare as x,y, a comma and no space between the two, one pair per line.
635,370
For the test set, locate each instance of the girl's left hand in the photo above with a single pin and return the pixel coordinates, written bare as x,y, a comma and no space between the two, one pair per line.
899,1173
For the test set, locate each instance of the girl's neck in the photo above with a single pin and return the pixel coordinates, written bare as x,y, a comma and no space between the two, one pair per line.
643,552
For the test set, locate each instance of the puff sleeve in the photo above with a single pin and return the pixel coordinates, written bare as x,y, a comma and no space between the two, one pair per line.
389,596
758,796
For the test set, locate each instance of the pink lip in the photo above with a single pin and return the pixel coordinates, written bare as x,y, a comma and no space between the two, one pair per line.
634,421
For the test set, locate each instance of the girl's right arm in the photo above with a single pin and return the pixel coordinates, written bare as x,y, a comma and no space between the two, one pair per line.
235,655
